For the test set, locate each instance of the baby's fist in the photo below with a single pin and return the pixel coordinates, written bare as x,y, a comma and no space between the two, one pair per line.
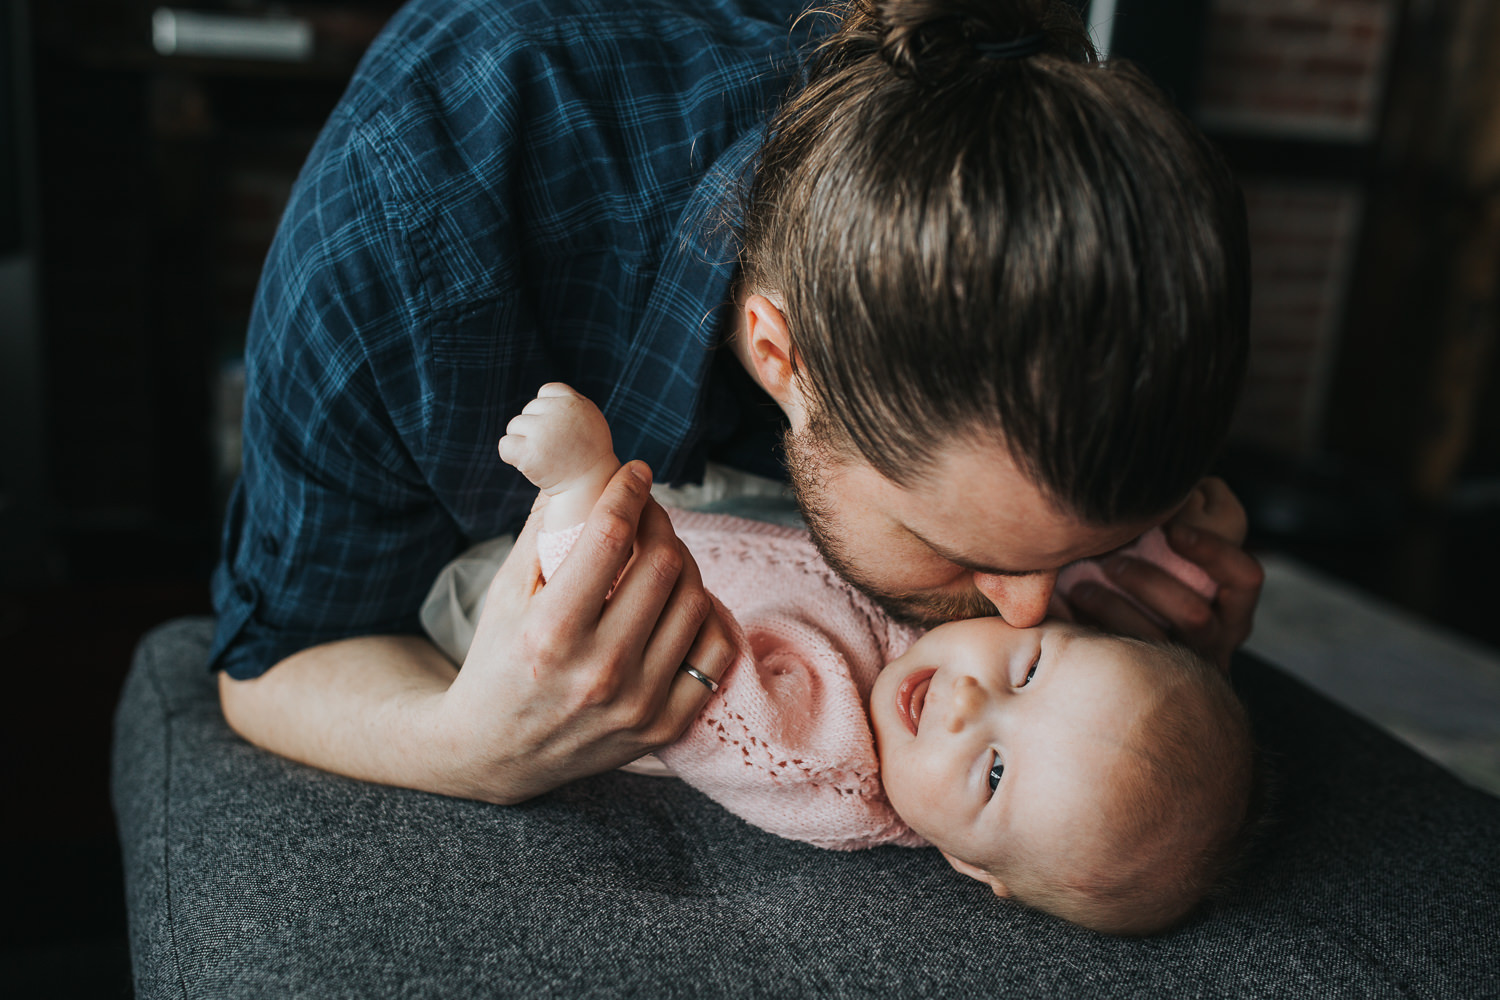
559,437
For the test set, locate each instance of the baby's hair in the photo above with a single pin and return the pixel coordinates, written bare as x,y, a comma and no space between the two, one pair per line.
1203,788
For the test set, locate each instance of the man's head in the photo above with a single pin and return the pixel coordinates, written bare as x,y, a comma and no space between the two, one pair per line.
1036,257
1103,780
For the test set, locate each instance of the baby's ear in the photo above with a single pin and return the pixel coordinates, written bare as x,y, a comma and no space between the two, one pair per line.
975,872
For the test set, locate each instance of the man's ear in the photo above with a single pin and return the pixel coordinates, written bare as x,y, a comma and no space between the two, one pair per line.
975,872
766,350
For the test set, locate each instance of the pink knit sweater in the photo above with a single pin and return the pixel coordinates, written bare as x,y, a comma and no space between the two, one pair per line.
785,743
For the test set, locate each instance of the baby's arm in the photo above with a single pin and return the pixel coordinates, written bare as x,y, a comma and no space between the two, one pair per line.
561,442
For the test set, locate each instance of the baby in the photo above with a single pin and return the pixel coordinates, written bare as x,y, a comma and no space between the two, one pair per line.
1102,779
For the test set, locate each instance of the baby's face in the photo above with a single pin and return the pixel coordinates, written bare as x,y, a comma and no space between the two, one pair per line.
996,740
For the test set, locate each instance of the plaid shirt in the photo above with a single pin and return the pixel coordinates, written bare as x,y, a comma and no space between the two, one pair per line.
511,192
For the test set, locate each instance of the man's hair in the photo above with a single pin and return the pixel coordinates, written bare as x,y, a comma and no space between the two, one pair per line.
1036,249
1181,810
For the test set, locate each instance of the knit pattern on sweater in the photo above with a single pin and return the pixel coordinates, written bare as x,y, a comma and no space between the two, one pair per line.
785,743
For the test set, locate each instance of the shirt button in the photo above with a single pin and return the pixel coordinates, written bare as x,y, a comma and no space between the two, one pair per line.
270,546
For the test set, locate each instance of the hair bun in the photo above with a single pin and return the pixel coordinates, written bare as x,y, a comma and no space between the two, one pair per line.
931,38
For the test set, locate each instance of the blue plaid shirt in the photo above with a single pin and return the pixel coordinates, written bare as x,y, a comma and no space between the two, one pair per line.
511,192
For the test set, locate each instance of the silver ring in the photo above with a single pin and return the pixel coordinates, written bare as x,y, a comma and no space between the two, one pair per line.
699,675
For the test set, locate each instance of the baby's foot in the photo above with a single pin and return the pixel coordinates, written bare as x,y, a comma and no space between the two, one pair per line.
561,442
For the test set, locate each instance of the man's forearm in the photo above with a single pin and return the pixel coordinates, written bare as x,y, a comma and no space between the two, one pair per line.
366,708
561,682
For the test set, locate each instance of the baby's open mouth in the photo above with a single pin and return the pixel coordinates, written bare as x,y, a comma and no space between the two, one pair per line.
912,695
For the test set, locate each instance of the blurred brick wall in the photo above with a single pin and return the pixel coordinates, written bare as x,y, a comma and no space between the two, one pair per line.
1301,70
1302,236
257,184
256,189
1311,68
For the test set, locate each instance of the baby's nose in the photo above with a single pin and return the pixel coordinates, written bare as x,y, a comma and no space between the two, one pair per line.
968,698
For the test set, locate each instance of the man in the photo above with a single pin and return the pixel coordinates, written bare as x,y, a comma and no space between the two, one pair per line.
997,293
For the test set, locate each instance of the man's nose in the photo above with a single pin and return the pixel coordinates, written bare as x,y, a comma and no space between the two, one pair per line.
1021,600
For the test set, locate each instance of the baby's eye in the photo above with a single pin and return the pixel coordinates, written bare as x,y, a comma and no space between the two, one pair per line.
1032,672
997,769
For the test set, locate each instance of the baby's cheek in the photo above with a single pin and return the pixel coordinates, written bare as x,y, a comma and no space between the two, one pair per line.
912,788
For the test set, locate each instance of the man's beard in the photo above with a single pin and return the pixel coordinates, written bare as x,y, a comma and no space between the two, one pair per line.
808,457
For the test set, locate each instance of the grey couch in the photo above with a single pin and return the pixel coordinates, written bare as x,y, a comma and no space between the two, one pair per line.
250,876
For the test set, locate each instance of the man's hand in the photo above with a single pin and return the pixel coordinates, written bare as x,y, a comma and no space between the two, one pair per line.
1209,530
561,681
581,675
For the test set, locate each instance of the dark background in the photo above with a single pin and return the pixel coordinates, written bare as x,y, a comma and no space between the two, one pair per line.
138,193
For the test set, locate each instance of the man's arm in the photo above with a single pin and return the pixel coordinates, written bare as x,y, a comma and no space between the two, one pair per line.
561,682
365,708
1209,530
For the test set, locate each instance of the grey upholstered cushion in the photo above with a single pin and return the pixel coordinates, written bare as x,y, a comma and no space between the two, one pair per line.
249,876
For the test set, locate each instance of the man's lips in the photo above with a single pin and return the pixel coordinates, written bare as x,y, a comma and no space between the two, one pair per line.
912,695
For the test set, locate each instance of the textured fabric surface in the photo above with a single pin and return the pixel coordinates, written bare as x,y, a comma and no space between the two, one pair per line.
249,876
509,193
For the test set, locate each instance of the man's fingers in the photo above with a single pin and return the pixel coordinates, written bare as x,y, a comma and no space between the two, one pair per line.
1215,492
1214,508
1237,617
1218,498
687,612
648,583
661,613
1107,610
520,574
1166,596
584,579
1226,563
1239,575
711,654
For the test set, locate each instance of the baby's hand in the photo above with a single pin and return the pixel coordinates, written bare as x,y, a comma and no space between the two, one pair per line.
560,441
